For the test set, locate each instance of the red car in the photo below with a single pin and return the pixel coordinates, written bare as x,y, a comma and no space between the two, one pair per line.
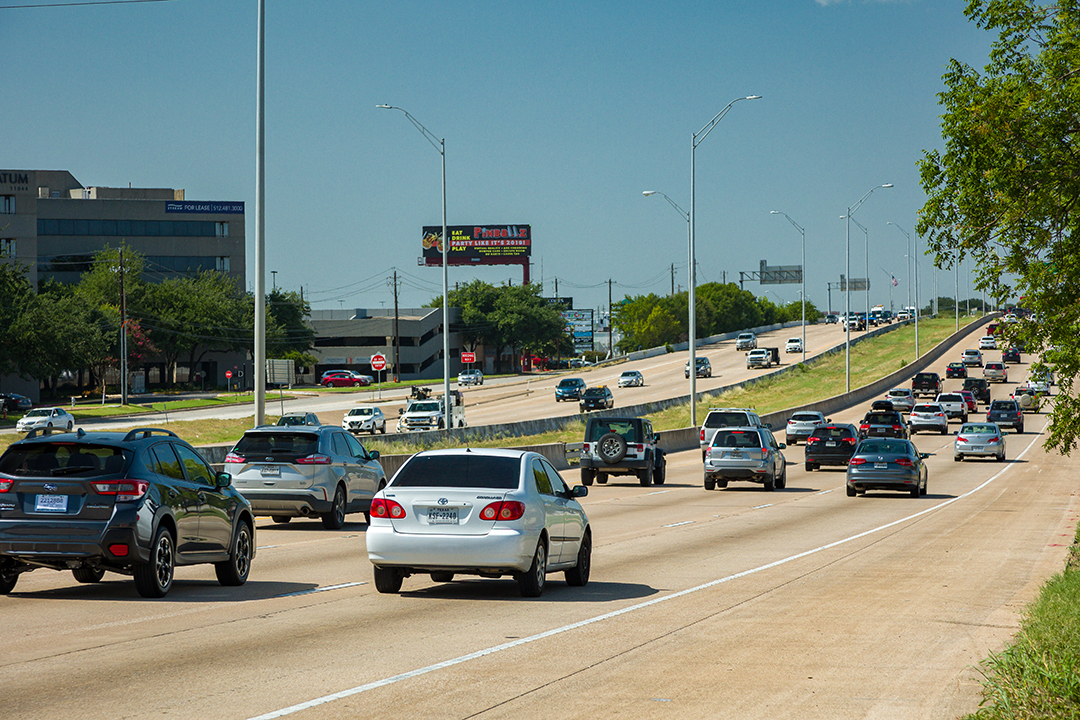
345,378
969,398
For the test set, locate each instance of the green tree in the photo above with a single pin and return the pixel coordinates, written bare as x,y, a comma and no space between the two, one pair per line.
65,332
288,313
16,294
1006,188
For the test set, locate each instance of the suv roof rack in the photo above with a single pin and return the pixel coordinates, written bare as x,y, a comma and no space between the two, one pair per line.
142,433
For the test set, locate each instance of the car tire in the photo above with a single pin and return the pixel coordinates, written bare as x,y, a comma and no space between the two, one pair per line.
588,475
945,430
1001,457
850,490
809,467
958,458
1020,430
281,519
611,447
710,483
601,478
660,472
770,483
442,576
782,482
8,578
234,571
387,580
644,477
917,491
88,574
578,576
70,425
335,519
154,579
531,582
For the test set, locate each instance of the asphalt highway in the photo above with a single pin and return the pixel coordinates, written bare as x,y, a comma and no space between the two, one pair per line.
737,603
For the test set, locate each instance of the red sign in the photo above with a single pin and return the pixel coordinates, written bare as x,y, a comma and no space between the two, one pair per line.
468,357
228,374
378,362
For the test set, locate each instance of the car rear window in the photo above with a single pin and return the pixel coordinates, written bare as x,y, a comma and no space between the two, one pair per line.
883,448
1003,405
737,438
950,397
805,417
926,376
833,432
979,429
60,458
463,470
926,409
726,419
280,446
899,393
600,428
882,418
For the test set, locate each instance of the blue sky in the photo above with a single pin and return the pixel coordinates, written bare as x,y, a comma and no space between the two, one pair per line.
555,114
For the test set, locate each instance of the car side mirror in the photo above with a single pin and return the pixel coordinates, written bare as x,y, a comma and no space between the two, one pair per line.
373,455
223,479
656,438
768,425
401,411
924,455
782,446
579,491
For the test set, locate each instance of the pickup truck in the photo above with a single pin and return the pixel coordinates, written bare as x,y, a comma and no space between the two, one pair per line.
431,414
926,383
954,406
759,358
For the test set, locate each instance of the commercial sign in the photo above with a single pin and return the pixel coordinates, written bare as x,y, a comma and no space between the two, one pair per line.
478,244
579,323
230,208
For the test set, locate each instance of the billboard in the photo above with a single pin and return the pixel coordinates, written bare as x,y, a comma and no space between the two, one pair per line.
478,244
579,323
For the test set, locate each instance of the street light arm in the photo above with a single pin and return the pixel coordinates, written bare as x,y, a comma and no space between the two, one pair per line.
900,229
686,215
797,226
865,231
438,143
704,132
857,205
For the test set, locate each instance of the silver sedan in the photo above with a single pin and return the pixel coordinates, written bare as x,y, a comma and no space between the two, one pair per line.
486,512
979,439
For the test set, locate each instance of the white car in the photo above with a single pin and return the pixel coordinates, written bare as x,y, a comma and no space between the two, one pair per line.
478,511
802,425
45,418
793,345
364,419
470,377
928,416
631,378
988,343
901,398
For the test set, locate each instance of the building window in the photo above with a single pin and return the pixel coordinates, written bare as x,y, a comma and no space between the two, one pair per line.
7,204
223,264
222,229
7,247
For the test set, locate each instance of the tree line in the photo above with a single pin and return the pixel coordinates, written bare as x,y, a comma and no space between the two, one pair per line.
59,328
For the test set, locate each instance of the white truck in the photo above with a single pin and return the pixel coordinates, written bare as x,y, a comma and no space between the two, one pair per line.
430,414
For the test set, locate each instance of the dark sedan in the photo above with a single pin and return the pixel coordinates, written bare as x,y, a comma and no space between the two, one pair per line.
886,464
10,402
956,370
596,398
830,445
1010,355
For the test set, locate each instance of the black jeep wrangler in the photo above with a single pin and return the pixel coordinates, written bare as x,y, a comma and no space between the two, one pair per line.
621,446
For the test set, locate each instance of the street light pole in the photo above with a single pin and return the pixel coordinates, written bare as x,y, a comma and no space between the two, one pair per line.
440,145
695,140
866,237
802,273
847,294
260,224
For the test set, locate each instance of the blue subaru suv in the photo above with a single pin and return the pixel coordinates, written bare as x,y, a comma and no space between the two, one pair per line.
139,504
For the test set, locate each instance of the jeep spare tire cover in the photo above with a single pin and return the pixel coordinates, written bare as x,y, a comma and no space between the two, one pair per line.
611,447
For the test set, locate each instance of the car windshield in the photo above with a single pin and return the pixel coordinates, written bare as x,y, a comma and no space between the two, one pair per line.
37,413
572,383
432,406
292,420
883,448
63,458
600,428
629,374
282,446
361,411
461,470
736,439
594,392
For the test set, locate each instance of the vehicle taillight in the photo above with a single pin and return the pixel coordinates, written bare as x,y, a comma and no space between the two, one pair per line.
896,427
864,426
995,439
904,462
702,434
314,460
812,439
639,448
857,461
383,508
585,447
6,484
764,452
961,438
939,414
124,490
850,441
234,458
503,510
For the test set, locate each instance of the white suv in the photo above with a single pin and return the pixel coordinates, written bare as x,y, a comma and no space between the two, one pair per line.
746,341
996,372
794,345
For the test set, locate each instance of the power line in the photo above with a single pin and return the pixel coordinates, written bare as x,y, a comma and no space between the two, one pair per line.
76,4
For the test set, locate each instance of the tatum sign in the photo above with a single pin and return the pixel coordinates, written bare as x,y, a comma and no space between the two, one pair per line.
479,244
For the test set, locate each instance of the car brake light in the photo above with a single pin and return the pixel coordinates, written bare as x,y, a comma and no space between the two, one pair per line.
857,461
585,447
812,439
503,510
896,427
639,447
234,458
702,434
314,460
961,438
905,462
850,441
864,426
995,439
764,452
124,490
939,414
383,508
5,484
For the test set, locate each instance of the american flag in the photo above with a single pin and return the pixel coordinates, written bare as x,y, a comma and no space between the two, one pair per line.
894,281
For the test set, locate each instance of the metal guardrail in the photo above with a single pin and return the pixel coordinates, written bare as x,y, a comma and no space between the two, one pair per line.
573,451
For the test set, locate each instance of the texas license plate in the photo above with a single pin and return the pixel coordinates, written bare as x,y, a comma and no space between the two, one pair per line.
735,455
831,443
270,470
880,466
976,448
442,516
51,503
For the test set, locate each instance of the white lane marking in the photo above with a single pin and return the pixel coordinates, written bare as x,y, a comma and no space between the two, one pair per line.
658,492
320,589
684,522
824,492
266,547
307,705
758,507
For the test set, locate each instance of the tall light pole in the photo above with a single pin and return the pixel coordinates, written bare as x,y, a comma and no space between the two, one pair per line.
915,262
802,273
695,140
866,237
847,294
260,224
440,145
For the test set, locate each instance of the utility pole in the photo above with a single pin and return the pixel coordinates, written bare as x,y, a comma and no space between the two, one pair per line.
673,279
397,343
610,346
556,287
123,336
